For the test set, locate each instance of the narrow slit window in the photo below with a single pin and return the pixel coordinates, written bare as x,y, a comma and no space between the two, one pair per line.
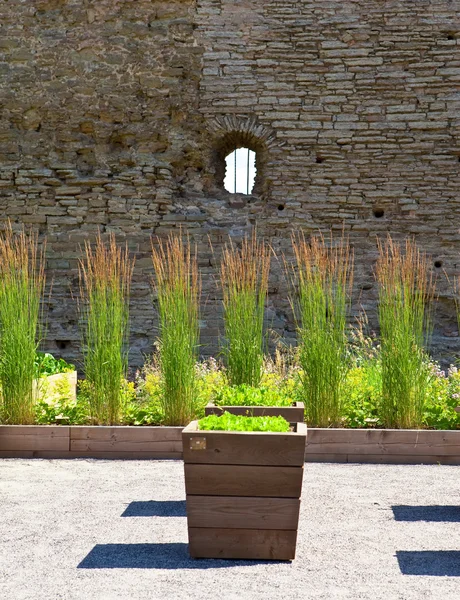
240,171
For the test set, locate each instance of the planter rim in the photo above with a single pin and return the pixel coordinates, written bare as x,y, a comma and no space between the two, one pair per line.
300,430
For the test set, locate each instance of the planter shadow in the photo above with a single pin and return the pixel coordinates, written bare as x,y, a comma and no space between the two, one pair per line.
155,508
437,563
154,556
439,514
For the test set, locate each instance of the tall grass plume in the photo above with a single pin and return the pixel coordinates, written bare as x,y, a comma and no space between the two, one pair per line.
323,279
406,292
22,283
105,280
244,277
177,285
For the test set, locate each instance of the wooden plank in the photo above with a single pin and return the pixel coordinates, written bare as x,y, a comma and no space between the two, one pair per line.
16,454
132,445
126,433
293,414
243,480
244,448
400,459
48,438
234,512
381,436
34,430
115,455
312,457
242,544
387,449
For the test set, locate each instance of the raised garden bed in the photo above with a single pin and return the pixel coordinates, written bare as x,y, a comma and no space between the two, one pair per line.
243,492
293,414
398,446
57,441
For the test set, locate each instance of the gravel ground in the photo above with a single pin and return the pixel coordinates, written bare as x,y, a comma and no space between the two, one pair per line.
103,530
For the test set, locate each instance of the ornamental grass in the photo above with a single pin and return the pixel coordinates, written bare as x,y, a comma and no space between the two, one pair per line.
22,284
244,276
406,292
105,281
323,279
177,286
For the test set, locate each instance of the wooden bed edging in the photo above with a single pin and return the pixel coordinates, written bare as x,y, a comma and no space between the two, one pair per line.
57,441
394,446
390,446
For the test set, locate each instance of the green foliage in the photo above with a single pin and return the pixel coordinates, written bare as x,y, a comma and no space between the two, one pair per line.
64,410
22,282
442,398
405,295
244,279
246,395
46,364
105,279
177,286
361,396
323,281
229,422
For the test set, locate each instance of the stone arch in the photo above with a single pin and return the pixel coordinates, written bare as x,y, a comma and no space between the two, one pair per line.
232,132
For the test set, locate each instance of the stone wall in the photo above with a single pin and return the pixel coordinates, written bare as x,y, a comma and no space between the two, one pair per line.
118,114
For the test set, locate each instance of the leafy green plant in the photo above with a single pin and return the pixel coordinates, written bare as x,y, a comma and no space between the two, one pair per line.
63,410
443,397
229,422
323,278
46,364
245,395
406,292
105,279
177,286
22,282
244,277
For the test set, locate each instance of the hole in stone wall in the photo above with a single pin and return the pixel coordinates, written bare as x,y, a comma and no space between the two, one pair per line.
438,264
319,159
62,344
240,172
280,206
450,35
378,213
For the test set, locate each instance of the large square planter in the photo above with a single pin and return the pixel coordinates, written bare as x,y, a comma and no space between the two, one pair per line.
293,414
243,492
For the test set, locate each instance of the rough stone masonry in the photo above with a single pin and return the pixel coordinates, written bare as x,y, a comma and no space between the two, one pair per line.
117,115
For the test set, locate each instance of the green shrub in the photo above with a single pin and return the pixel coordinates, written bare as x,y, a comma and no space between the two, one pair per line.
229,422
443,396
405,295
177,286
323,280
244,278
46,364
22,282
105,279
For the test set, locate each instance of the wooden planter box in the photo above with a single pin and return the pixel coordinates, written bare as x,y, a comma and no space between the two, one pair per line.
293,414
243,492
58,441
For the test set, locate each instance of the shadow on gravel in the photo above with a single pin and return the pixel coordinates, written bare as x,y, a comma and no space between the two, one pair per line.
440,563
446,514
155,508
154,556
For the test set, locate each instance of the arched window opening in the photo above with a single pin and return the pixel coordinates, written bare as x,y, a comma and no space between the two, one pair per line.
240,172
